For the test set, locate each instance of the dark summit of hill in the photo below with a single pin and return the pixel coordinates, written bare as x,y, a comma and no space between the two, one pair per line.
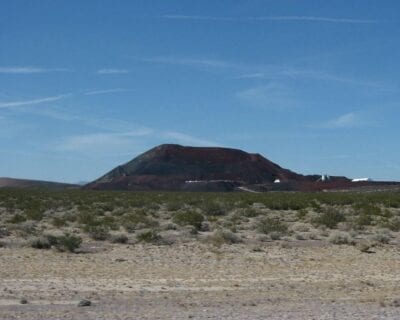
175,167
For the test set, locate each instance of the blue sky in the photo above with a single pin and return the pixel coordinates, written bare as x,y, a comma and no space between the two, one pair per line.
88,85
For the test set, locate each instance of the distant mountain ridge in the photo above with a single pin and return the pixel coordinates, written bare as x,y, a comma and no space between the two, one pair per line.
176,167
26,183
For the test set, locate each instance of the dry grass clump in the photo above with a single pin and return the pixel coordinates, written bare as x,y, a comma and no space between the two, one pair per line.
339,237
119,238
65,242
149,236
270,226
223,236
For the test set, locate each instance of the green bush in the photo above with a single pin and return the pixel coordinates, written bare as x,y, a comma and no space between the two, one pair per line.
34,214
99,233
17,218
68,242
330,217
393,224
40,243
119,238
213,208
184,218
59,222
251,212
268,225
150,236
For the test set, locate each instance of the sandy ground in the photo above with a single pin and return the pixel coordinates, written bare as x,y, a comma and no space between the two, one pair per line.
198,281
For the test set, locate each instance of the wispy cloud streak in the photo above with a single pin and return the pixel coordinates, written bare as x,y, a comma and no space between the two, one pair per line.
20,103
347,120
113,71
30,70
96,92
271,18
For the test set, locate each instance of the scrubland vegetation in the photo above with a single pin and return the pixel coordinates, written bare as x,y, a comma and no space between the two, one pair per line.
65,220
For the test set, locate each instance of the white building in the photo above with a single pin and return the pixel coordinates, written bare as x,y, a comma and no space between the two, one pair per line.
362,180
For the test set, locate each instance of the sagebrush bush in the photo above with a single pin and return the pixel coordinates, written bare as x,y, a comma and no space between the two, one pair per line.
339,237
267,225
151,236
393,224
213,208
68,242
40,243
59,222
184,218
99,233
330,217
221,236
119,238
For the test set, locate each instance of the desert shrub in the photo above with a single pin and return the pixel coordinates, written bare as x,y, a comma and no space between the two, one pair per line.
250,212
268,225
88,218
301,214
17,218
119,238
174,206
52,239
330,217
213,208
99,233
184,218
59,222
381,238
150,236
68,242
339,237
300,227
34,214
4,232
368,209
138,220
365,246
393,224
363,220
300,236
40,243
26,228
221,236
275,235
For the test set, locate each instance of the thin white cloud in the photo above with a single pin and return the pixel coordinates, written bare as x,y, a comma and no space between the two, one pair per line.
30,70
265,72
347,120
193,62
272,18
20,103
274,96
101,142
106,91
126,142
113,71
187,139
